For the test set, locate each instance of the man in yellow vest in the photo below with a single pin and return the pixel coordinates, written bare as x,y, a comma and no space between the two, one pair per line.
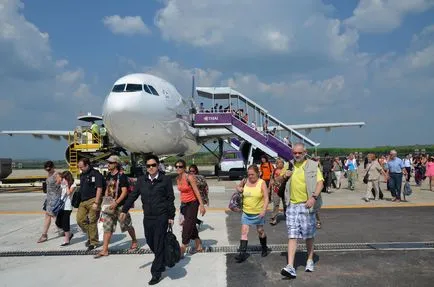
95,132
303,192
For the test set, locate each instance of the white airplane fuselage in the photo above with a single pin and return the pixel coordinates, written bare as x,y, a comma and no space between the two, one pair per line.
146,114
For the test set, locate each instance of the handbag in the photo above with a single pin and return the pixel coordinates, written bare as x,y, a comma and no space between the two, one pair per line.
76,198
172,250
236,202
59,205
366,177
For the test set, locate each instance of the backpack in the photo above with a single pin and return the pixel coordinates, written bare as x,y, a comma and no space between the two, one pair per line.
172,250
202,185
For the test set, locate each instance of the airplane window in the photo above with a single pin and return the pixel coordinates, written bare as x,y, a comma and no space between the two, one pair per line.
147,89
118,88
154,92
134,88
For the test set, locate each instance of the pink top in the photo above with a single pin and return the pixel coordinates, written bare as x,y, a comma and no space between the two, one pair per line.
429,169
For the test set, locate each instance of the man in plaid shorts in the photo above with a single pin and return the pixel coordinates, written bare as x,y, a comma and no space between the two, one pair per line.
303,190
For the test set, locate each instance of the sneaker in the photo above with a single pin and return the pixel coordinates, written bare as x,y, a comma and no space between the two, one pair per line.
309,266
288,271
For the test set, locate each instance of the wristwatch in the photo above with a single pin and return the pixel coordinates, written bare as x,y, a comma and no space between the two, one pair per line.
315,197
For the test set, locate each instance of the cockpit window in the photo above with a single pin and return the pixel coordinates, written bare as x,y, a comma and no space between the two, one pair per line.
147,89
154,92
118,88
134,88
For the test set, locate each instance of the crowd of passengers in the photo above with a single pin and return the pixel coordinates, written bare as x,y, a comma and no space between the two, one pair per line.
298,184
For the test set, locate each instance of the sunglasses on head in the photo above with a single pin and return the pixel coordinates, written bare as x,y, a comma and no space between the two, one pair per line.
151,165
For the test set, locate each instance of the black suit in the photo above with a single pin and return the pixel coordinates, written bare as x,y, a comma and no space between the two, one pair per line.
158,207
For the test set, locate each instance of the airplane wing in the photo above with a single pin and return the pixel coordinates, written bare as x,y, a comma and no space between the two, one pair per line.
327,126
55,135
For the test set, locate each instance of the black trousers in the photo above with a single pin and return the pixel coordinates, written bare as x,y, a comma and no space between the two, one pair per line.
155,233
63,220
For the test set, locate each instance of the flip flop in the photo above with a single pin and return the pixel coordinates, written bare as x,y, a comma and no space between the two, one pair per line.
99,255
134,246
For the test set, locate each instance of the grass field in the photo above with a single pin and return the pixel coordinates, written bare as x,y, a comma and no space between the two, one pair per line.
206,158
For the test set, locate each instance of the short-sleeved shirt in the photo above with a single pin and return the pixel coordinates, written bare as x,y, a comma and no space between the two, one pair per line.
374,170
89,182
351,164
395,166
112,183
298,183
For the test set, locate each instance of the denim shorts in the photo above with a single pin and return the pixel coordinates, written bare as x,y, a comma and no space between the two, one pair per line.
252,219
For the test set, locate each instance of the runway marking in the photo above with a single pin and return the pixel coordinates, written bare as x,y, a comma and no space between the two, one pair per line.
215,209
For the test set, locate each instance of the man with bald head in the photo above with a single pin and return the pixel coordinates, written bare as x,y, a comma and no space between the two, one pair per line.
303,192
395,170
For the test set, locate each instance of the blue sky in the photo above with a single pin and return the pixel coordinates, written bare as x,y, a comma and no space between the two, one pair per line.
305,61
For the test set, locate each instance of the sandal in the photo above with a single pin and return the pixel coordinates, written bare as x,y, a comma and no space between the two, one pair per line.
318,225
134,246
43,238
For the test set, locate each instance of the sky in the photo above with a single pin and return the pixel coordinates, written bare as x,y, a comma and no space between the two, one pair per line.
307,61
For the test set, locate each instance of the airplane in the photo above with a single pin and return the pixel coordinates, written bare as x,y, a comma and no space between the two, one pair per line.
146,114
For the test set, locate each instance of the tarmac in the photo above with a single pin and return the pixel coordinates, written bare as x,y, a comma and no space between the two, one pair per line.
380,243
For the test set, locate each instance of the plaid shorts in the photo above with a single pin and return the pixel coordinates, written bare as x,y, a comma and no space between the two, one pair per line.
110,221
300,222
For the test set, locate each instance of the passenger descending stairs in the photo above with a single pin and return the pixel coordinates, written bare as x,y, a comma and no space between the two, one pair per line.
273,145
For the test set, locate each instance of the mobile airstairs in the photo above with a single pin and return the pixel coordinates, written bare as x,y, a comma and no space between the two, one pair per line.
258,130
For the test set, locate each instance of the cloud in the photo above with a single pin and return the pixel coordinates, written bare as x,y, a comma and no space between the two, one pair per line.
35,80
228,28
128,25
379,16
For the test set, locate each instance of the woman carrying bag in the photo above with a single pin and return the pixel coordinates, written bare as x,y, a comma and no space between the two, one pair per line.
191,202
255,204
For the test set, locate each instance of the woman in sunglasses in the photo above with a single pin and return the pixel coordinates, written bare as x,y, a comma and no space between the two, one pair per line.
255,204
53,194
202,185
191,202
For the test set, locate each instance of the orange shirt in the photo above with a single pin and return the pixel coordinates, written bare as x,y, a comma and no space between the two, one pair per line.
266,170
187,193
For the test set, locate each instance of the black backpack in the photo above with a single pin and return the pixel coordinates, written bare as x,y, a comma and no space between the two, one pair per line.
172,250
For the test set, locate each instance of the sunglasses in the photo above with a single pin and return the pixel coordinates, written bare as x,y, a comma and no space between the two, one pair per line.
151,165
192,171
179,166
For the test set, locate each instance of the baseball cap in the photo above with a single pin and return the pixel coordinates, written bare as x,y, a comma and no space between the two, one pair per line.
114,158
